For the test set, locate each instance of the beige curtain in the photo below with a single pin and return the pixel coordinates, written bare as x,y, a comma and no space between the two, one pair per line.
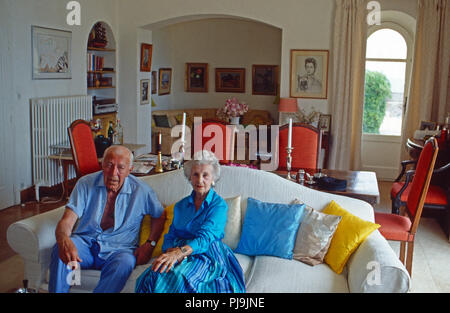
347,85
428,96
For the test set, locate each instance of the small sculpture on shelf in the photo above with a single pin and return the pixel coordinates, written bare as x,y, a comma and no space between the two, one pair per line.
97,37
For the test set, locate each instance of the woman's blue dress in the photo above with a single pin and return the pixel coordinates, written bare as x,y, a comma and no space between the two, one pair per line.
212,267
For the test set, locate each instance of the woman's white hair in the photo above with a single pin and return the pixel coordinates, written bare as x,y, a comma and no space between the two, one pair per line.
203,157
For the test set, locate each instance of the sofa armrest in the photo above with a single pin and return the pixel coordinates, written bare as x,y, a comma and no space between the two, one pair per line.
33,238
374,267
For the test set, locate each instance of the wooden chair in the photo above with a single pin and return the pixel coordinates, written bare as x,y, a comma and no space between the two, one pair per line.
306,144
83,148
220,131
403,227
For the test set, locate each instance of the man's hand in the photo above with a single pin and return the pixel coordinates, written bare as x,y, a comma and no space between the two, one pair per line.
143,253
68,252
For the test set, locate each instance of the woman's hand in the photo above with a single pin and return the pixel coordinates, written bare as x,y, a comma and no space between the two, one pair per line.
167,260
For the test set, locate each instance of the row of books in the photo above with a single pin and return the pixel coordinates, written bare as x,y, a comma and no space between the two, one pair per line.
95,62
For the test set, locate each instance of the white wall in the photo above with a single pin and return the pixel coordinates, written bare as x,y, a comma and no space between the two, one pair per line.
51,14
220,43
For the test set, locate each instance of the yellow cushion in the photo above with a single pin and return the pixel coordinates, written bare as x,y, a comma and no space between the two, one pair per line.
351,231
145,230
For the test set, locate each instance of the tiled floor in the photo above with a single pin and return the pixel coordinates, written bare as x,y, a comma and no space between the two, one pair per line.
431,266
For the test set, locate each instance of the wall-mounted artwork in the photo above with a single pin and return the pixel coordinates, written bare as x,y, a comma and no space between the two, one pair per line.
309,73
196,77
145,86
51,53
146,57
230,79
154,81
264,79
165,81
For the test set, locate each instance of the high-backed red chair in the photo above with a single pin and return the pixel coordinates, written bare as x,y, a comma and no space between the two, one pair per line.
305,141
83,148
403,227
225,134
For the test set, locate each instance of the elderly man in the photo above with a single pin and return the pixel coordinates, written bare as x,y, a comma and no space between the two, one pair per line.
109,205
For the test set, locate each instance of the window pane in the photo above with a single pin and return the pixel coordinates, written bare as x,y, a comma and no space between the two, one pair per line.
386,43
384,88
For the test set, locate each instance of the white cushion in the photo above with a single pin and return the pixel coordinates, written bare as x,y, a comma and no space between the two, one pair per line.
233,226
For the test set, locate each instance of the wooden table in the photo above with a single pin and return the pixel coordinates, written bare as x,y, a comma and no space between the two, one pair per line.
360,184
66,160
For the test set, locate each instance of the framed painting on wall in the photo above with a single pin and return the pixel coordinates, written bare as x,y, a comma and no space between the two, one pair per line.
165,81
145,86
196,77
146,57
51,53
264,80
154,81
230,79
325,122
309,74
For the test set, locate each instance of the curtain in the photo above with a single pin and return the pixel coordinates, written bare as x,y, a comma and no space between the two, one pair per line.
428,95
347,86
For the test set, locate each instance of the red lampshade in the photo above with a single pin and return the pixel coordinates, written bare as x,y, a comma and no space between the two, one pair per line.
288,105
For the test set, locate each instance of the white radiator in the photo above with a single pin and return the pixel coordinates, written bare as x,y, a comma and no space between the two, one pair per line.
50,118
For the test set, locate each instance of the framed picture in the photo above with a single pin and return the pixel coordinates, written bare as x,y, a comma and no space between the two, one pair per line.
165,80
230,79
325,122
51,53
145,86
154,81
196,77
265,80
427,125
146,57
309,74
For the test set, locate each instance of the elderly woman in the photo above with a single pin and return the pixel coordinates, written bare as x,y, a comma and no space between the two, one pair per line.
194,258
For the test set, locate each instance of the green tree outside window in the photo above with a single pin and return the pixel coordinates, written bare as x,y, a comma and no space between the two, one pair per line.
377,91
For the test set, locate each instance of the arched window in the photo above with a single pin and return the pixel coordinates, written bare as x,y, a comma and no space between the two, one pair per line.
387,74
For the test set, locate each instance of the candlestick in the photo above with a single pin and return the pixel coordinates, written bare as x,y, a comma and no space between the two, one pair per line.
288,162
290,134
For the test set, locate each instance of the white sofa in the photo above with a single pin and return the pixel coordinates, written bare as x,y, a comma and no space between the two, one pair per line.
33,238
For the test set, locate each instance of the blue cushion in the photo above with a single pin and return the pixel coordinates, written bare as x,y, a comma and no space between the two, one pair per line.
270,228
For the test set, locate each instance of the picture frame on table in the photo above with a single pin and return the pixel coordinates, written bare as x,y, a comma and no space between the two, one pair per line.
154,82
309,74
428,125
165,81
325,123
51,53
146,57
265,80
145,87
230,80
196,77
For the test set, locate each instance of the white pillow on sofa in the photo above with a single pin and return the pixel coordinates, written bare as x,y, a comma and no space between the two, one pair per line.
233,227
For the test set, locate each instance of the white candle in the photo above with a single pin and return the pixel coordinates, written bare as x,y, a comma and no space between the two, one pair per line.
183,127
159,138
290,134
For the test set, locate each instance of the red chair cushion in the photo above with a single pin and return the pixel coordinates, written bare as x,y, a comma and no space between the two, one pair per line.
305,143
218,132
84,149
394,227
435,195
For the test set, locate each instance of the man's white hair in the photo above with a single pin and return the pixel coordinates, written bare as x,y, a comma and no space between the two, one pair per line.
115,147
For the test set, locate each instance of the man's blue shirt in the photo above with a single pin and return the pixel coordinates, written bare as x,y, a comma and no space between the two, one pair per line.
197,229
135,199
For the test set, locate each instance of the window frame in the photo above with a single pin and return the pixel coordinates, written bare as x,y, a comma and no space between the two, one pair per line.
408,66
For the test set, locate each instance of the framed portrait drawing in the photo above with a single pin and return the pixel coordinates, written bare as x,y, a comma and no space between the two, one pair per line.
146,57
264,80
309,74
154,81
51,53
230,79
145,87
196,77
427,125
165,81
325,122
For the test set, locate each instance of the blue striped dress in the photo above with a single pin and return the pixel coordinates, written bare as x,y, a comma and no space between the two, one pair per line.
212,267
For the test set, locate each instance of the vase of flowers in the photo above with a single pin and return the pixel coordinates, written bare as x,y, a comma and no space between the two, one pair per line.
232,110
